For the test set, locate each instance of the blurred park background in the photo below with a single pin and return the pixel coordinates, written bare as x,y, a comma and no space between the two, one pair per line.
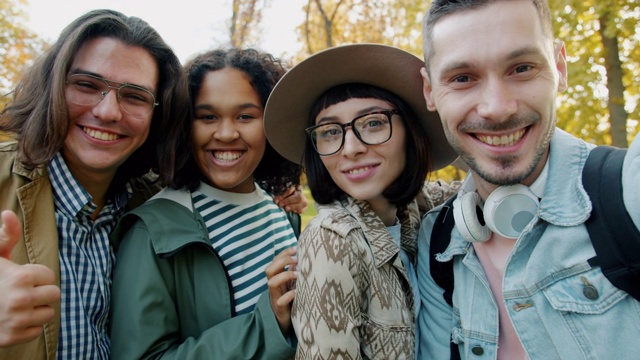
602,40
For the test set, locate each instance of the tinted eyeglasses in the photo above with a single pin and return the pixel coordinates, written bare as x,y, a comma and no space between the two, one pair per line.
371,128
88,90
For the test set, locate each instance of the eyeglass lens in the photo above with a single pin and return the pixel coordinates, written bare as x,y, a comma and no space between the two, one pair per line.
371,129
90,90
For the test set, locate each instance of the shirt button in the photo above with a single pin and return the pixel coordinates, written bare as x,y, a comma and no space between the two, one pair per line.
477,350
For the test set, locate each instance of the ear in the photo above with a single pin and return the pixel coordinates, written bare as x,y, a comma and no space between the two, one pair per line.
427,90
561,66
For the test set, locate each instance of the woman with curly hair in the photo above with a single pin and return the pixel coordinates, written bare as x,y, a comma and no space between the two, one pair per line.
190,279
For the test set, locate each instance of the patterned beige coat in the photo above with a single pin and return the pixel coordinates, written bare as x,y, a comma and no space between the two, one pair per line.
354,299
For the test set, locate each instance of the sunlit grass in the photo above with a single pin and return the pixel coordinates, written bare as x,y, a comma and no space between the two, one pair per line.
5,137
311,209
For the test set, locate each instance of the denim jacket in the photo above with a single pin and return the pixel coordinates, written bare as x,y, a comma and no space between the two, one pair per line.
548,284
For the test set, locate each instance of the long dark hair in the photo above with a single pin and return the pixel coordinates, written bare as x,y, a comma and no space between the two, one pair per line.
405,188
38,115
274,173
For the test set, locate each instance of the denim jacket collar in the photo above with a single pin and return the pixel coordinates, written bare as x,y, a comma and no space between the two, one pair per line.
564,203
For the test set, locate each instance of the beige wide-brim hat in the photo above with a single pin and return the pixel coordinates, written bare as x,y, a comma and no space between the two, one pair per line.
395,70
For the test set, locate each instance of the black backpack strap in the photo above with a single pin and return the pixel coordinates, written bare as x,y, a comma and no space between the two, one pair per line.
613,234
442,272
295,221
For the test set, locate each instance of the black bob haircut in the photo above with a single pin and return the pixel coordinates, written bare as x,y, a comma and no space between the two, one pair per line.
418,164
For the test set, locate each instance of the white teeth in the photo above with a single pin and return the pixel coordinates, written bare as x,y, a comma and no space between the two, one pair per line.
227,155
504,140
357,171
100,135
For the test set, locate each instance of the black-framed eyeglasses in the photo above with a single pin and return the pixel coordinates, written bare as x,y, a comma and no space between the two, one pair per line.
371,128
88,90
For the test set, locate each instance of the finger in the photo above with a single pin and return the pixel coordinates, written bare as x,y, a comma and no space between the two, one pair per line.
295,202
25,323
297,208
289,254
290,191
286,299
283,259
282,282
32,317
281,197
45,295
41,315
23,336
35,275
22,300
290,199
10,232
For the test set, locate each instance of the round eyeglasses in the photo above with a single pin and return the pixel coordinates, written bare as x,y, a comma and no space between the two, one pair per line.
371,128
88,90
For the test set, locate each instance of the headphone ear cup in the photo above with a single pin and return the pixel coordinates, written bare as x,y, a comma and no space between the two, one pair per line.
509,209
469,219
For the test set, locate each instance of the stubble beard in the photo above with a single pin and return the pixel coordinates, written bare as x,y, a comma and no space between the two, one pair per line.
505,164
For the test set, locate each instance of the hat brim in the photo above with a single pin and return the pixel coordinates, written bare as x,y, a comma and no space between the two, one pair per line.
288,108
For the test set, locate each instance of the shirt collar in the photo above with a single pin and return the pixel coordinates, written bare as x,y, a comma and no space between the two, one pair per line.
70,197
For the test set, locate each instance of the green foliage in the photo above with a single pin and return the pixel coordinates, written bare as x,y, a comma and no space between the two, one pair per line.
337,22
583,107
311,209
18,45
5,137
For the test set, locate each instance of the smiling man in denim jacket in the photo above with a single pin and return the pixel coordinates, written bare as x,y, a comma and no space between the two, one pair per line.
493,70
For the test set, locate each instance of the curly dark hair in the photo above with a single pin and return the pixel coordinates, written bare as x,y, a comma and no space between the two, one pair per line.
274,173
407,186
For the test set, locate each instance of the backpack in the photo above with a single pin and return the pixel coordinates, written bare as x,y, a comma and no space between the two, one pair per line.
613,234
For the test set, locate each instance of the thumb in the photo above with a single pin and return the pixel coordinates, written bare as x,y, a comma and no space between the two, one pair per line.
9,232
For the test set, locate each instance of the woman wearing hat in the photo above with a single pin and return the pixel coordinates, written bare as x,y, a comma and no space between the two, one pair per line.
355,117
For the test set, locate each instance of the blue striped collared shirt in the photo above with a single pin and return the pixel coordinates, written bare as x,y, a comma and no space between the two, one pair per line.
86,264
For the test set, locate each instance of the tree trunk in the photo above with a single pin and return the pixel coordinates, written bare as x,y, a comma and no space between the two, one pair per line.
615,104
328,24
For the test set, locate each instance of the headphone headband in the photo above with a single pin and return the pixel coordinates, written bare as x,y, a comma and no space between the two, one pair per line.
507,210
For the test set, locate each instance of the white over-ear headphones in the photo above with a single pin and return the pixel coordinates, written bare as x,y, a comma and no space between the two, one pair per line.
506,212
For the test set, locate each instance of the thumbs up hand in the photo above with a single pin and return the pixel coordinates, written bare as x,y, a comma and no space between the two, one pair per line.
9,233
27,292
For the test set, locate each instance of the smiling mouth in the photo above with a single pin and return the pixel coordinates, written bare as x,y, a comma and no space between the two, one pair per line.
227,156
99,135
502,140
358,170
